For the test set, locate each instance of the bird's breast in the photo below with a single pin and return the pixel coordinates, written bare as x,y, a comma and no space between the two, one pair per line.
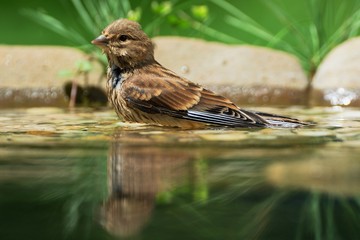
115,77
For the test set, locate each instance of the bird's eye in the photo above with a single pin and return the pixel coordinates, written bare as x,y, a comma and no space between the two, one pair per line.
123,38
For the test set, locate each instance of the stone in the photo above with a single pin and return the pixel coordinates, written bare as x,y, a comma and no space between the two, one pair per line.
337,80
29,75
245,74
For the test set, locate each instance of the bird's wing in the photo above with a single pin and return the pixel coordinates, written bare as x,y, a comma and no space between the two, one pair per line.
180,98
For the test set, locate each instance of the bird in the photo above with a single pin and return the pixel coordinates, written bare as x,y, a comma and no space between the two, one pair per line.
143,91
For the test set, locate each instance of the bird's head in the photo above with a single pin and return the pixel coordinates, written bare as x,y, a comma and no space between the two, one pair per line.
125,44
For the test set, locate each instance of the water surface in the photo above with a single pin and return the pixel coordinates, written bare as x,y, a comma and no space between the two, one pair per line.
85,175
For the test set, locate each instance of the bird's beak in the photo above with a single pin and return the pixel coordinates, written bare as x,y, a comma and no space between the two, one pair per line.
100,41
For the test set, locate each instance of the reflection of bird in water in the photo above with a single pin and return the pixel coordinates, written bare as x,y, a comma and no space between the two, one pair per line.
126,215
135,175
314,175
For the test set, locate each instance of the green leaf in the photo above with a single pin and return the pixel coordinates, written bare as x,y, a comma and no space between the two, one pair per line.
83,66
200,12
162,8
134,15
66,73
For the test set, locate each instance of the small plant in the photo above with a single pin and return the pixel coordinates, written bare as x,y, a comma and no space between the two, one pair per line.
83,68
86,94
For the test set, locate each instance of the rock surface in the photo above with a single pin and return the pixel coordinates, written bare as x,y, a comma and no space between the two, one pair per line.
29,75
337,81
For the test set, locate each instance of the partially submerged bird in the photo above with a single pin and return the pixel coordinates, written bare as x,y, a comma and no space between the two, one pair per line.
142,90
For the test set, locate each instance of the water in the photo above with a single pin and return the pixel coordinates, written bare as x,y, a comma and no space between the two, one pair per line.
85,175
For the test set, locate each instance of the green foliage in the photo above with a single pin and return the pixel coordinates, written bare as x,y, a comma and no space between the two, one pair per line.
325,25
82,67
66,73
94,15
308,31
329,23
200,12
162,8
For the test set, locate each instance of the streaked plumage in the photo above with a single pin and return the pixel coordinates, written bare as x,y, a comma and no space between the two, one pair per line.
142,90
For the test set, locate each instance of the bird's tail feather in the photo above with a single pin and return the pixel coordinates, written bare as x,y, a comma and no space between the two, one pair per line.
282,121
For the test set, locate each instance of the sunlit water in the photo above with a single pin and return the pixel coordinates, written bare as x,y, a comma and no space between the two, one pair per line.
85,175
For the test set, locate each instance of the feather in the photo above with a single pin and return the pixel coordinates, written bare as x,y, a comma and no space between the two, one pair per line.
183,99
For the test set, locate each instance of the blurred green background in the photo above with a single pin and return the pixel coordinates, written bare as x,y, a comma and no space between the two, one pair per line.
309,29
20,29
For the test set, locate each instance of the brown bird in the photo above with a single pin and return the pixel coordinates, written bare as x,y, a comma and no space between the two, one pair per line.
142,90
